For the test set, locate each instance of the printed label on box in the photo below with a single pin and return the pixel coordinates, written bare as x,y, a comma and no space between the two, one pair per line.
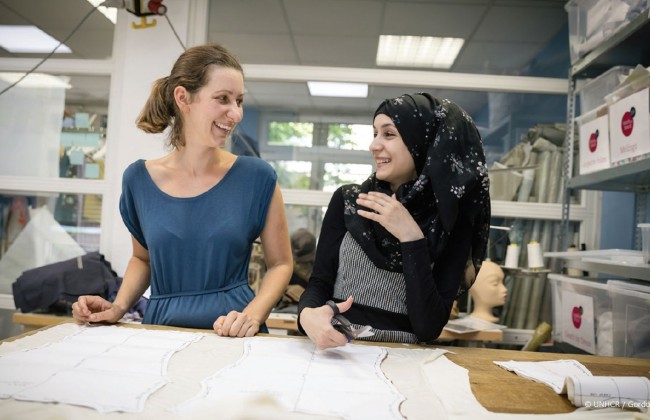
594,145
629,127
578,321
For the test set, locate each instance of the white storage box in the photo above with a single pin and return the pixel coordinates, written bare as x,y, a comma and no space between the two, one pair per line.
629,127
582,313
593,21
594,141
631,322
592,94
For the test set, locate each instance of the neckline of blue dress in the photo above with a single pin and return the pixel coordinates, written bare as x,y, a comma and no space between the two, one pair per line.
208,191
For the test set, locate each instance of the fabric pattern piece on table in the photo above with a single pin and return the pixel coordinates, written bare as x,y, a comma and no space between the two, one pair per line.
105,368
346,381
552,373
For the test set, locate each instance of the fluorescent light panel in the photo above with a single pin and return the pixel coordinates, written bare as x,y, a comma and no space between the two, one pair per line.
418,51
28,39
340,90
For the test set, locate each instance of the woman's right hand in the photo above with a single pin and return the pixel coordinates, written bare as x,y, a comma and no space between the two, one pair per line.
317,323
95,309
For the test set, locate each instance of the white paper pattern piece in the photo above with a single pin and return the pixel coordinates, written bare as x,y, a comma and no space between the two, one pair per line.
582,388
455,395
551,373
609,391
346,381
105,367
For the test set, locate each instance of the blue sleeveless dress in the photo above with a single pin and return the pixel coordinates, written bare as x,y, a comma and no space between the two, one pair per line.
199,247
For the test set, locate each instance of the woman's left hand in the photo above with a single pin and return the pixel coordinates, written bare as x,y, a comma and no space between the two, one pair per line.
236,324
391,214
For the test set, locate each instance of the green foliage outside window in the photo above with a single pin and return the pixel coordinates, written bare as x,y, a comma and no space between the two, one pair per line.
298,175
290,133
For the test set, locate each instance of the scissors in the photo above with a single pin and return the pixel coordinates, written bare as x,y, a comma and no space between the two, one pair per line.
344,326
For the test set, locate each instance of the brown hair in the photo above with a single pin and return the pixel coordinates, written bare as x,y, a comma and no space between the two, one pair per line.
190,71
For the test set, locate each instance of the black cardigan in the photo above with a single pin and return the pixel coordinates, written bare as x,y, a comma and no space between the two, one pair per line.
430,291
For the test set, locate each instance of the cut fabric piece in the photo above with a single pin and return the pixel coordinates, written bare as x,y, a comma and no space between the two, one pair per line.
346,381
551,373
104,368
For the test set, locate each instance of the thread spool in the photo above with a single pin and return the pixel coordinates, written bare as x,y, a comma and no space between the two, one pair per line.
512,256
535,259
573,272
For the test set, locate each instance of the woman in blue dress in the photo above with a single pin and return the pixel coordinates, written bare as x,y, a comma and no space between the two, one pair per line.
195,213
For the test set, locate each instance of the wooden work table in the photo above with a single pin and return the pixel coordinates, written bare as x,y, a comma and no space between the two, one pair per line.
280,321
495,388
502,391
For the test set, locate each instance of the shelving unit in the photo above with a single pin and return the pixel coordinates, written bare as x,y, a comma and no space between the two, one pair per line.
617,262
632,177
628,46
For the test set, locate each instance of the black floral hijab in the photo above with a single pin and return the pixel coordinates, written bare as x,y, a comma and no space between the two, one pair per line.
452,181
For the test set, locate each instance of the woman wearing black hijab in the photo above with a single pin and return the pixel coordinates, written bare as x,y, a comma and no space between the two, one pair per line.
394,252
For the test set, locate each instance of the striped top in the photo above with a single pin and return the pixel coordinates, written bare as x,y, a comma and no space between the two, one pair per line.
407,307
372,287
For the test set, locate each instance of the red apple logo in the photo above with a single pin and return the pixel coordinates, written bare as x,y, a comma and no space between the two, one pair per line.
593,141
576,316
627,122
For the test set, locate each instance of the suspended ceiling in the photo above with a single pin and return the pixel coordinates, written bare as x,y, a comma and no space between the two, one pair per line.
502,37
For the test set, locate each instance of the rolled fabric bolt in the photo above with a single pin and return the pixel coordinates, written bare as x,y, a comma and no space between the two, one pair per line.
535,259
512,256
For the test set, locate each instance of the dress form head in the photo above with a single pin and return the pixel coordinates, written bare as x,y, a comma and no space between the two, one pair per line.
488,291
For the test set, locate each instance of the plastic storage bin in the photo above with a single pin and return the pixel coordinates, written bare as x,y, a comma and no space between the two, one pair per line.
593,21
582,313
640,79
645,241
631,322
592,94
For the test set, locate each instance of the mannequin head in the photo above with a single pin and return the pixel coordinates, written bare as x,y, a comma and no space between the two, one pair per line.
488,291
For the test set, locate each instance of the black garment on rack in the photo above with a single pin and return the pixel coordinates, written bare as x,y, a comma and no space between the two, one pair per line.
55,287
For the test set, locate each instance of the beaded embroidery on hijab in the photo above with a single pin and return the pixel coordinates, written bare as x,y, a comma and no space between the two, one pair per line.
452,182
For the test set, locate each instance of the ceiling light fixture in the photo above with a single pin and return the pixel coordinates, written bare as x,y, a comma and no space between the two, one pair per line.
418,51
28,39
340,90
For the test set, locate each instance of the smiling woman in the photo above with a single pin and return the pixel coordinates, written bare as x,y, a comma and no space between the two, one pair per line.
393,251
195,213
